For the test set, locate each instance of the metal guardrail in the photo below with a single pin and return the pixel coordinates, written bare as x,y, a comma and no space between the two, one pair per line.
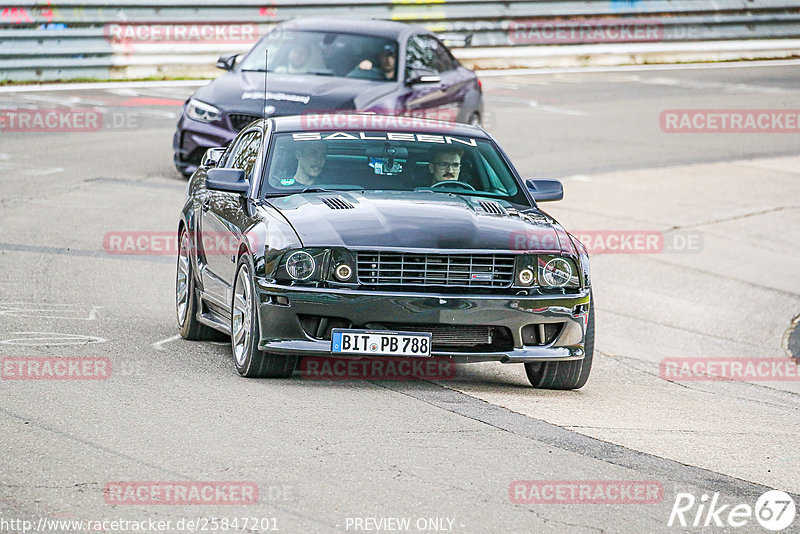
74,39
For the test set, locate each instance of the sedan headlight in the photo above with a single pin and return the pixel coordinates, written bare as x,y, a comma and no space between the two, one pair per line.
557,271
200,111
300,265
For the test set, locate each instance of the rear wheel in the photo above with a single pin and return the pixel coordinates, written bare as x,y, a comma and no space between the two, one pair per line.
565,375
186,301
246,331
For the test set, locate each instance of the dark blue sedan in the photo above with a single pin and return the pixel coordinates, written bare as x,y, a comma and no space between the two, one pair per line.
324,66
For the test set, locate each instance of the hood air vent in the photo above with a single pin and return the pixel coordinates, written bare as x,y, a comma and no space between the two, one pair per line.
492,207
337,203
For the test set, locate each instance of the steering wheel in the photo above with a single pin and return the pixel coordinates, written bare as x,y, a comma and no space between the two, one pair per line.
453,182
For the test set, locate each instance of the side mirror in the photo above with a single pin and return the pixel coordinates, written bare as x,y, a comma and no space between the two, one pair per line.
227,62
212,157
228,180
545,190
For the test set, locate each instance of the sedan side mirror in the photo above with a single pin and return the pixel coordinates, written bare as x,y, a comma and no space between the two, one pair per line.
228,180
545,190
227,62
212,157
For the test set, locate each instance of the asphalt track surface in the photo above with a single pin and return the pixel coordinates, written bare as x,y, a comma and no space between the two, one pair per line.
330,456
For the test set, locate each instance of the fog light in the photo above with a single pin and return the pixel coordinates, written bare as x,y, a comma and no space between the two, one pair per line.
343,272
525,277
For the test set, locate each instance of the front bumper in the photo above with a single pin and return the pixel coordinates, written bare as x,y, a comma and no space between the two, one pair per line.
192,138
282,331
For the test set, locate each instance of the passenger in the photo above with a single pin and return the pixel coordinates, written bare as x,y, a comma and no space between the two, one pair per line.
384,70
299,60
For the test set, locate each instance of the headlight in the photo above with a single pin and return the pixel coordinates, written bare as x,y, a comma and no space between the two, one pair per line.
557,272
300,265
200,111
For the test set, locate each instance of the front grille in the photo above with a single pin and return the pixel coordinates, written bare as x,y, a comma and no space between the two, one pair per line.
454,270
454,337
240,120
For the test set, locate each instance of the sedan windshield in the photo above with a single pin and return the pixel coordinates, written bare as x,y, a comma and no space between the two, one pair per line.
325,54
389,161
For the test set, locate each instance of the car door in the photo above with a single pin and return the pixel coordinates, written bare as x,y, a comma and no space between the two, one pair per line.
444,99
222,216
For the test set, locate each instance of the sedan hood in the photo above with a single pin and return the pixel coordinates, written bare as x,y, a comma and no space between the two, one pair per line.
243,92
416,220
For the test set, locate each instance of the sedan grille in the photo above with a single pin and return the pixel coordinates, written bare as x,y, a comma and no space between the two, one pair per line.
240,120
458,337
454,270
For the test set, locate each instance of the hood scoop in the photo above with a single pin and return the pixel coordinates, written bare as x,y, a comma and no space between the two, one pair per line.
337,203
492,208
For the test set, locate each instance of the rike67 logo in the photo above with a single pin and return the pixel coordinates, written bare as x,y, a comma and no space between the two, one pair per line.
774,510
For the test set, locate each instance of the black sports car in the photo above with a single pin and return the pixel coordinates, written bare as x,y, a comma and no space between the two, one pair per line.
326,65
365,236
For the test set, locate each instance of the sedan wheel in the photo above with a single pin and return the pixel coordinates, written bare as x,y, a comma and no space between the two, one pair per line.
186,300
565,375
245,332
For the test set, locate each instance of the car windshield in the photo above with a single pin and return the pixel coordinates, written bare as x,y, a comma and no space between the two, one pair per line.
388,161
325,54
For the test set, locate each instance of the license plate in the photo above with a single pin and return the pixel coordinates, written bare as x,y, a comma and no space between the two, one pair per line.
379,343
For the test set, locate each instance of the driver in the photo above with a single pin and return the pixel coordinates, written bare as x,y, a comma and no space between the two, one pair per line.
383,70
445,164
310,161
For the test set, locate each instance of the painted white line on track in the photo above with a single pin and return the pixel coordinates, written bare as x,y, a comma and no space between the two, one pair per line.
552,109
637,68
487,73
98,85
159,345
37,339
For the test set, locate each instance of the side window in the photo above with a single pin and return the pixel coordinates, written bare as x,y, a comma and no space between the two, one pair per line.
420,54
245,153
441,57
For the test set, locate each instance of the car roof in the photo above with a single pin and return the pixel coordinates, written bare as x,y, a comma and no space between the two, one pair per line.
361,26
370,122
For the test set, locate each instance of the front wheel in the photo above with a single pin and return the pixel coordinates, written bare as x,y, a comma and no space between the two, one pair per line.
565,375
246,331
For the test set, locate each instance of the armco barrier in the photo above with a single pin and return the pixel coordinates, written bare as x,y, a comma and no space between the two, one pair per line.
72,39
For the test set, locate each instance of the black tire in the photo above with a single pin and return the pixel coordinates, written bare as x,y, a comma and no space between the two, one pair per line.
565,375
249,361
190,327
